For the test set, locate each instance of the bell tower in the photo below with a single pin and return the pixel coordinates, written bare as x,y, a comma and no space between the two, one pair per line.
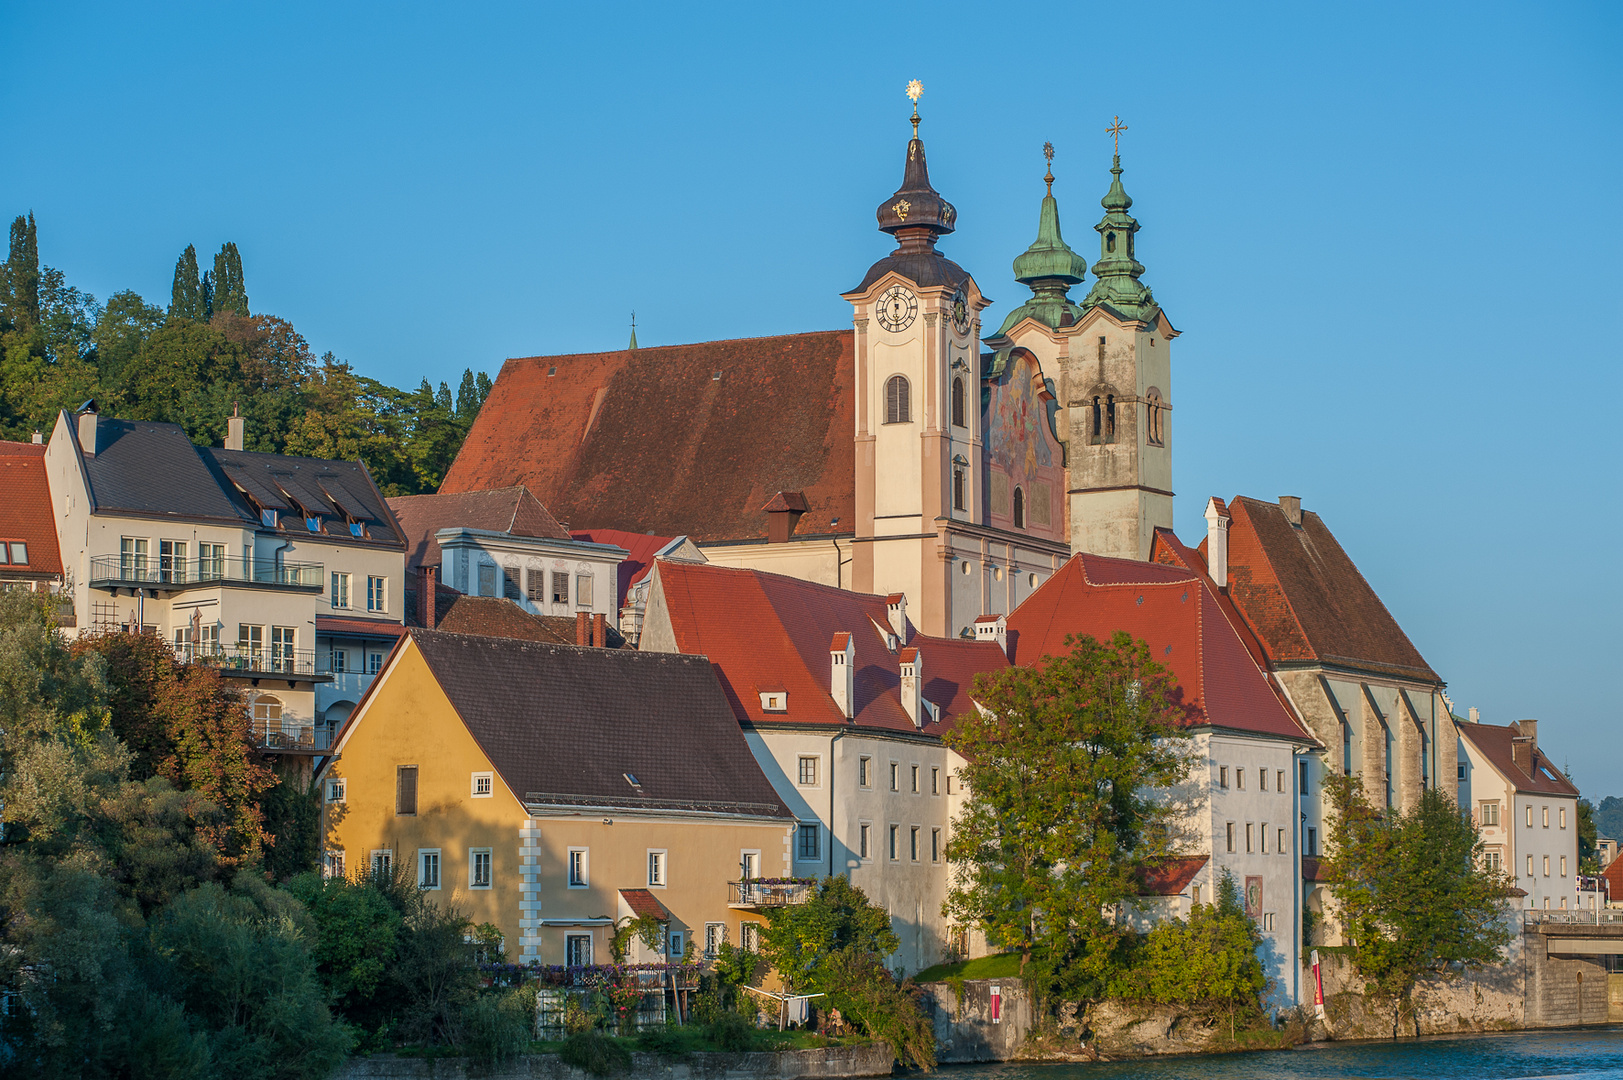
917,396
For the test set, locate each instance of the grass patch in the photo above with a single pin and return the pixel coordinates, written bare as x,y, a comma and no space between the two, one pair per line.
999,966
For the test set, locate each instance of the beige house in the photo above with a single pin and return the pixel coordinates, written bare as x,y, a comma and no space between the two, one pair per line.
558,791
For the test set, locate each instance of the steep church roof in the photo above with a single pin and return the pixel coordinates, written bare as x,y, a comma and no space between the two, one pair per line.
676,439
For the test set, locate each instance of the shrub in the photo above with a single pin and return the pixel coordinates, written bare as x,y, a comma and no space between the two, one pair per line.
666,1040
577,1018
595,1052
496,1028
864,992
731,1032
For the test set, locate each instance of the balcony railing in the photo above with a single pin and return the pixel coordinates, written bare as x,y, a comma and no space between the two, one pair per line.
146,572
767,892
248,660
292,737
1578,916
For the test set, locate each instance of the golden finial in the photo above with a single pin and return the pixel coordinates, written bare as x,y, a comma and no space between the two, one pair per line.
1114,131
1048,155
914,90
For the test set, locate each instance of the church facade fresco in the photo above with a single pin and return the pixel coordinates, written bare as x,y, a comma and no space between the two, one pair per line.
1024,461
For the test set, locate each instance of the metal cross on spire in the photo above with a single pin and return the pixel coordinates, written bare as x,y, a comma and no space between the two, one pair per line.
1048,155
1114,131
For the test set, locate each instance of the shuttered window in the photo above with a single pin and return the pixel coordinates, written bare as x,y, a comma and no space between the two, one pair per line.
405,790
897,405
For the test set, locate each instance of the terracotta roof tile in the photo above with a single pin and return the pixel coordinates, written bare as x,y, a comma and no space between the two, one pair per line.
1496,743
505,510
1173,610
644,904
652,440
759,628
1170,876
350,627
1614,878
640,547
25,511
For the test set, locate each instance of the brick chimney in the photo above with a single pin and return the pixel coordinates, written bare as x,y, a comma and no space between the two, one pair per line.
1527,732
842,674
993,628
583,629
896,612
430,600
912,663
600,634
1217,540
90,428
1292,505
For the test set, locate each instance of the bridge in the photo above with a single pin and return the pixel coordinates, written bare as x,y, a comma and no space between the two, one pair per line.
1567,977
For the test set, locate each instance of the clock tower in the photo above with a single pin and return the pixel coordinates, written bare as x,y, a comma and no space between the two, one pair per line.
917,400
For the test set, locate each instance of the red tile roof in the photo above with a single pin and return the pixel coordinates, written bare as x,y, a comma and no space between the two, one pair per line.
765,629
676,440
1170,876
25,511
347,627
1496,742
1312,870
508,510
641,548
498,617
1614,879
1176,612
1306,601
645,904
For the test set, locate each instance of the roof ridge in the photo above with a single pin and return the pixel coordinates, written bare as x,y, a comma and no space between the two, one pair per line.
680,345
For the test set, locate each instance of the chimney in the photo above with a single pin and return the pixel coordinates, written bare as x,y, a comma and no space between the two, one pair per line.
89,428
38,439
236,429
1476,715
896,611
1528,729
993,628
913,685
600,635
1217,541
842,674
1292,505
583,629
783,512
430,599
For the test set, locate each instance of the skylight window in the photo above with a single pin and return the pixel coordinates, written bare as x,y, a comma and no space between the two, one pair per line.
313,524
631,778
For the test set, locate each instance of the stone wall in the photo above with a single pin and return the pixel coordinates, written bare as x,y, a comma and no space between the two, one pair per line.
833,1061
964,1027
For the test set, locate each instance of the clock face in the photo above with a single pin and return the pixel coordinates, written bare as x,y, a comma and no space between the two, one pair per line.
960,311
897,307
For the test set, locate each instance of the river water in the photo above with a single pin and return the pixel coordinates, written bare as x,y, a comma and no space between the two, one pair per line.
1521,1056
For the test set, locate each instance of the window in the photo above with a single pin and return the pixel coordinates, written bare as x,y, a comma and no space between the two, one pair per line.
915,779
478,868
335,790
251,642
428,869
1279,780
895,830
865,772
935,845
1019,508
1194,894
374,663
958,489
483,786
862,840
583,590
1229,830
171,560
935,780
1262,779
1110,418
487,579
810,848
382,863
913,844
808,772
897,406
1494,861
895,776
1152,399
1459,771
266,712
1490,813
656,868
1097,430
1239,779
560,587
1280,846
18,550
674,944
332,864
377,593
1563,866
132,558
1563,813
1249,830
1530,866
578,950
511,586
282,658
749,936
1546,866
340,590
535,586
210,561
579,867
405,791
1265,838
1546,817
958,401
749,862
1267,920
267,518
1223,776
714,934
1313,842
1530,816
337,661
1301,777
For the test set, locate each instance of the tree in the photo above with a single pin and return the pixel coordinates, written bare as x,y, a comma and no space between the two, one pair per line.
1588,857
230,293
22,275
186,294
1412,889
800,938
120,333
1061,814
1211,960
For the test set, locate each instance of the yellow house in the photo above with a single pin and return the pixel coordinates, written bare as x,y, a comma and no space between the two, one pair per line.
555,791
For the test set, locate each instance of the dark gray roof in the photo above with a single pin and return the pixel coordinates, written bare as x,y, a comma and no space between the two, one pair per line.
563,725
334,490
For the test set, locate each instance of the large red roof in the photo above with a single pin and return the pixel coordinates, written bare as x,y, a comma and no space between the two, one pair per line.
675,440
1173,610
766,631
25,511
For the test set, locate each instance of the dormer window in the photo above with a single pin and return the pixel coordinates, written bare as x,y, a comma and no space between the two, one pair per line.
313,524
356,529
267,518
776,699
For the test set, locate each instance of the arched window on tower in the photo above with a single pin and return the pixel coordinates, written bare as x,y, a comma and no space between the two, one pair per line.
1096,431
1110,418
958,401
958,489
897,406
1110,243
1019,508
1152,417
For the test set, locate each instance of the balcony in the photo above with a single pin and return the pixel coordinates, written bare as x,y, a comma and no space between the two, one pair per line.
246,662
753,894
291,737
161,575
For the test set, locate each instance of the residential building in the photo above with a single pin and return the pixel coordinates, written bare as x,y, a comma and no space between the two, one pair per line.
555,790
844,705
642,550
268,566
29,555
1526,808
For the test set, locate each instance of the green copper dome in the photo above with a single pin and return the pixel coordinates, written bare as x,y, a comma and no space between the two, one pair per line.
1048,268
1117,270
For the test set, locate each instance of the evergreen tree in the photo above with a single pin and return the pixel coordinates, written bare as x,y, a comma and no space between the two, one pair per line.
467,398
482,385
22,274
208,295
186,295
230,294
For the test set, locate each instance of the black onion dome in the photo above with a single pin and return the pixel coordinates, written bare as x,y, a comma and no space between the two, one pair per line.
916,204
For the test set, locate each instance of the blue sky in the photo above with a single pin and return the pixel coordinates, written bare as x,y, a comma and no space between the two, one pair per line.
1389,232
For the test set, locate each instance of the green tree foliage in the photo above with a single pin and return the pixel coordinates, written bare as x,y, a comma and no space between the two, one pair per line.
1411,888
836,915
230,293
186,294
1061,814
1588,834
22,275
1209,961
1609,817
868,995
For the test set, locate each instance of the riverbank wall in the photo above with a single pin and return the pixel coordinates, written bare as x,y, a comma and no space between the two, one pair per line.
825,1063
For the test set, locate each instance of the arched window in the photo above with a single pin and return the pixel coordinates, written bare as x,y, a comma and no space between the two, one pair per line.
1110,418
1152,399
957,489
958,401
1110,242
267,718
898,410
1096,432
1019,509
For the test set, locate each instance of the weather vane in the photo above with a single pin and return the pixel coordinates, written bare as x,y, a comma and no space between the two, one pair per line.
1048,155
1114,131
914,90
